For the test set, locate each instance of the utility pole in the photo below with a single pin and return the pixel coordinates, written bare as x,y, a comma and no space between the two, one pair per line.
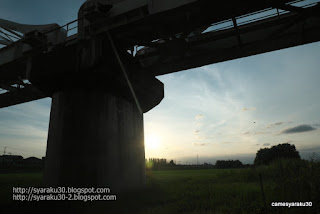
4,151
197,160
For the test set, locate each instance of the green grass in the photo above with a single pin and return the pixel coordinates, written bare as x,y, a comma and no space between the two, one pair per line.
196,191
206,191
9,180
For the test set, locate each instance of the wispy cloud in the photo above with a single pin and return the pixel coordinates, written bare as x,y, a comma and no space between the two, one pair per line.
274,125
200,144
255,133
199,117
266,144
249,109
227,142
23,131
298,129
259,133
199,123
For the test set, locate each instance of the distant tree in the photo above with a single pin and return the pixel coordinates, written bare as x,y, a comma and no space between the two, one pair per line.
156,163
225,164
267,155
171,163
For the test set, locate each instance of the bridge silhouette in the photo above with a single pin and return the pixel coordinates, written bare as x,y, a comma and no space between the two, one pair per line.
103,78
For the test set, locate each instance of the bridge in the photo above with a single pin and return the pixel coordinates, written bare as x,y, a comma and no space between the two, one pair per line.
103,78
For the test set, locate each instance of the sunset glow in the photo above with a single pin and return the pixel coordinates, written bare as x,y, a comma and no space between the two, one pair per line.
152,142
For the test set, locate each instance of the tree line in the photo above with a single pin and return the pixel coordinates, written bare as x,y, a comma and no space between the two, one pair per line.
267,155
264,156
158,163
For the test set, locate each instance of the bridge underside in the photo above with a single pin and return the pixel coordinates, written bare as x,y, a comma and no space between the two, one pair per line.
170,47
279,32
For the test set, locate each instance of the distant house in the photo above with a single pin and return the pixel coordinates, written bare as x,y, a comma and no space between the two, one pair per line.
16,162
12,157
33,162
11,160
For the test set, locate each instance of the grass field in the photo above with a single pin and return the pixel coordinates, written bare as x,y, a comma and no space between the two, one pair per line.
192,191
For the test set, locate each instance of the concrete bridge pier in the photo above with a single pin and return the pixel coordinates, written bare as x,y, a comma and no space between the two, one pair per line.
95,135
94,139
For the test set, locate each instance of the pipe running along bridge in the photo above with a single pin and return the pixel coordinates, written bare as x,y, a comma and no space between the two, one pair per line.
103,78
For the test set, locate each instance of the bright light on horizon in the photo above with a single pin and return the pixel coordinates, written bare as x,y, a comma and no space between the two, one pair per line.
152,142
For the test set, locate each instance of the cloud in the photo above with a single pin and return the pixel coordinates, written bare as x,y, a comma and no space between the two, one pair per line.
198,137
249,109
226,142
298,129
266,144
309,149
257,133
200,144
274,124
199,117
277,124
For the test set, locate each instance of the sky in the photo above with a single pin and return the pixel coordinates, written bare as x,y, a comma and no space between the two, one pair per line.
227,110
